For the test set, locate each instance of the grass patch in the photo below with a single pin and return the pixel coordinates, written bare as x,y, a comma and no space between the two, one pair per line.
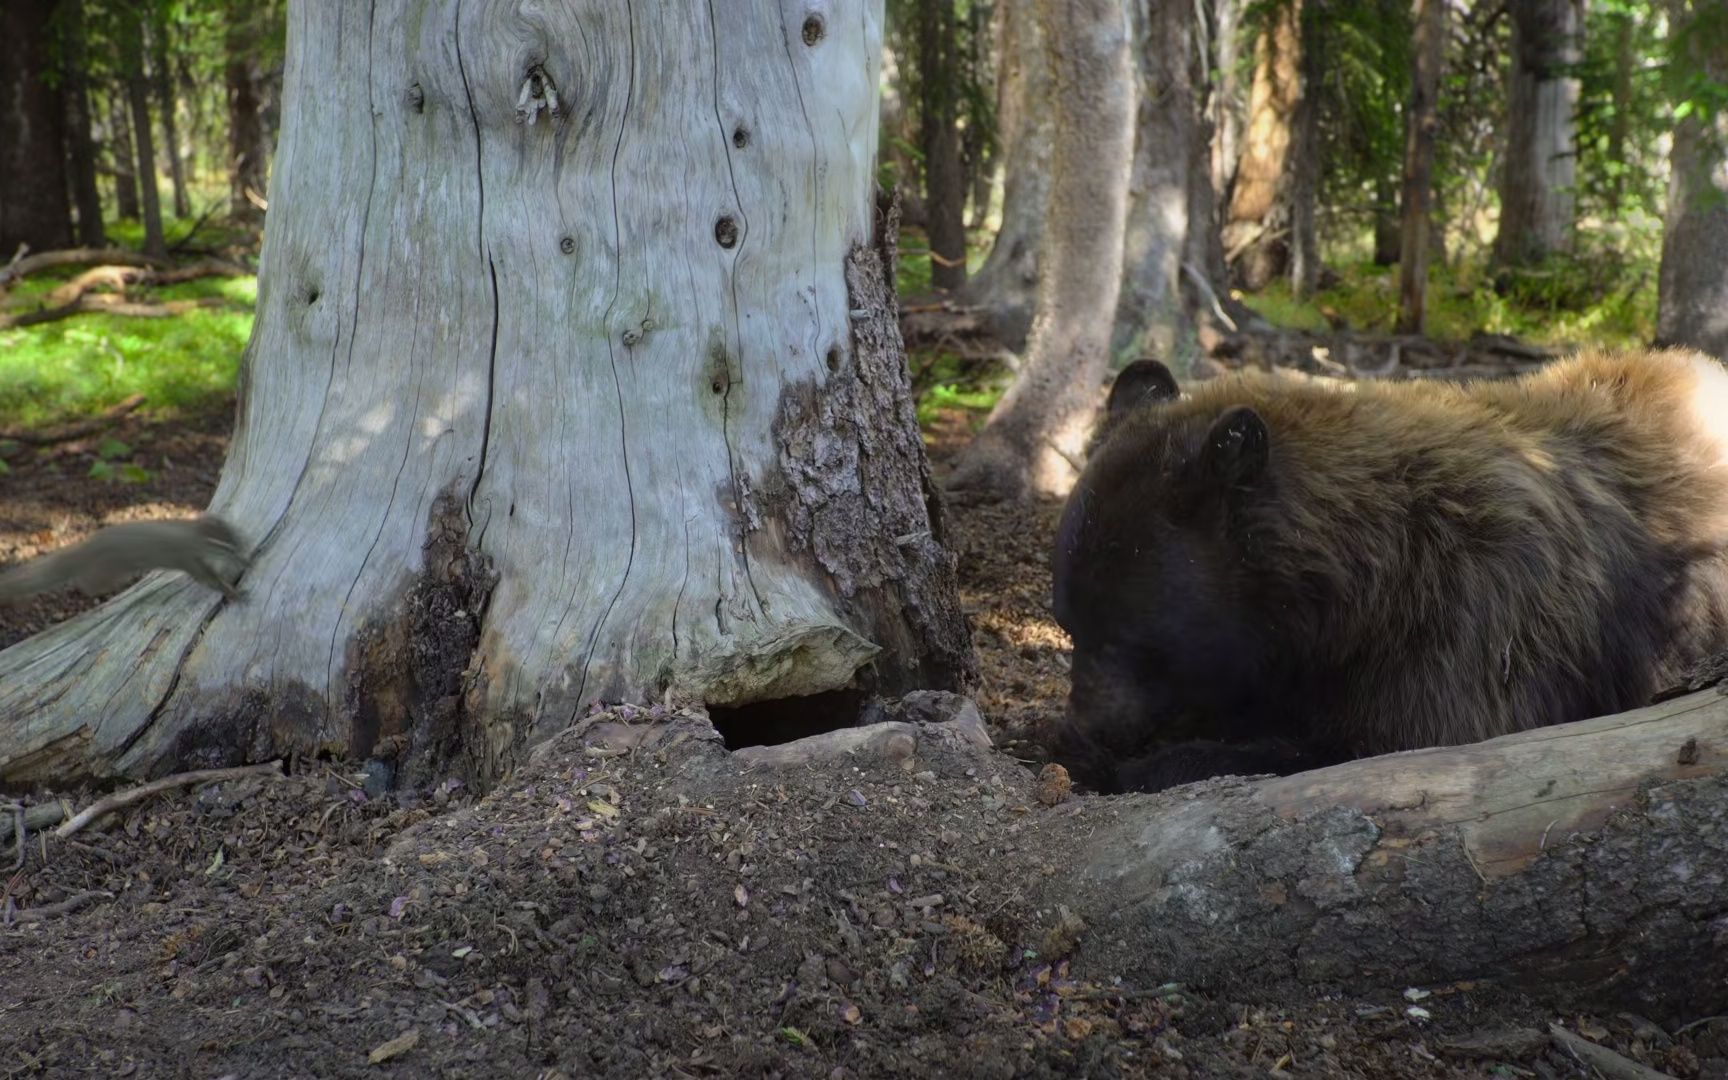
1570,301
78,366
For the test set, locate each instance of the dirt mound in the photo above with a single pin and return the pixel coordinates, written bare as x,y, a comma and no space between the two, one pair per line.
638,902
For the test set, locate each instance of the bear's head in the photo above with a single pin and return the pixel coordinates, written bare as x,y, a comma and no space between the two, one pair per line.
1155,576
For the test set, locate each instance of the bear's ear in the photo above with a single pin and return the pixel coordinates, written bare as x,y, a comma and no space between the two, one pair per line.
1237,447
1143,382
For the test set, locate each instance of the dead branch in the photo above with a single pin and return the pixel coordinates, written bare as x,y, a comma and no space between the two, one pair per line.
76,430
119,277
167,783
113,306
65,907
37,818
47,260
1605,1061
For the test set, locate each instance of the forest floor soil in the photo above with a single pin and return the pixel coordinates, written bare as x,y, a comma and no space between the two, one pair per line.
661,911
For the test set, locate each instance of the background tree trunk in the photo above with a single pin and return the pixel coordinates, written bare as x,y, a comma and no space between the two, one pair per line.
164,86
1257,225
979,147
504,454
1693,304
1428,53
248,148
1037,430
1005,286
1626,63
138,96
121,155
1169,132
1228,101
1304,166
1387,233
939,132
1540,172
34,208
81,148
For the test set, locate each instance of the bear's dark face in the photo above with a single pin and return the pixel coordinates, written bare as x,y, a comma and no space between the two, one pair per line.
1153,582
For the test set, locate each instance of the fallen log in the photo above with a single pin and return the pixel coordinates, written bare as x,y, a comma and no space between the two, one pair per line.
47,260
77,429
119,278
113,305
1586,864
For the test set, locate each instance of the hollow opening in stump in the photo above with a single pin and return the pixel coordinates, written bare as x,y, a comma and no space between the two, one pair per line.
782,720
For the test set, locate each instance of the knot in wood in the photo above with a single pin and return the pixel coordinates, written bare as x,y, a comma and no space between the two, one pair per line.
726,232
814,28
538,93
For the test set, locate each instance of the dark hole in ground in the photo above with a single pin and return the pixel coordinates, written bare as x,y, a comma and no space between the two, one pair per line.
768,723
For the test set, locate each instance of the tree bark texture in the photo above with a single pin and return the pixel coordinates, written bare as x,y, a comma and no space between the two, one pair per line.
34,208
1037,431
1387,234
138,97
978,144
163,84
1693,291
248,148
1304,166
1540,173
1006,284
1421,124
1169,134
123,159
80,146
576,376
1584,863
939,132
1228,103
1257,225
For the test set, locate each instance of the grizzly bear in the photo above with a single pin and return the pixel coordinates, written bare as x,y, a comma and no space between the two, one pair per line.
1268,575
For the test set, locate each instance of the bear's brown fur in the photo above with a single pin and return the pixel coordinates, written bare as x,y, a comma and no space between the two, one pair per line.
1361,569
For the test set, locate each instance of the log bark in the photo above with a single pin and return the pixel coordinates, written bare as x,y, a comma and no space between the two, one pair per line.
1583,863
576,376
1540,174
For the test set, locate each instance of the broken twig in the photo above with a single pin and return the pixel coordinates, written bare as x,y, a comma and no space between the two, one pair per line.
1605,1061
64,907
167,783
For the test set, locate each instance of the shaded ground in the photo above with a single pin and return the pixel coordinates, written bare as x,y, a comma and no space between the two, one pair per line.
653,912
